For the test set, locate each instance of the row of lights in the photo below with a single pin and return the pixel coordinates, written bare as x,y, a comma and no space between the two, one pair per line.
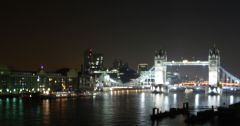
24,89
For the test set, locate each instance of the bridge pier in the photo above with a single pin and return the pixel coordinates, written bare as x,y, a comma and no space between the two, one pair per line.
160,88
214,90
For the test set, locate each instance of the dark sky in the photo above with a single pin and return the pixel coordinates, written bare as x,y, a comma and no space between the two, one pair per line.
56,33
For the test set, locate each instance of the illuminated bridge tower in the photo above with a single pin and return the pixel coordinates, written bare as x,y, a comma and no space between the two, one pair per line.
214,70
160,72
160,67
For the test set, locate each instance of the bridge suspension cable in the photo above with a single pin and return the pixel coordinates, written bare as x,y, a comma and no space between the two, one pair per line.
231,76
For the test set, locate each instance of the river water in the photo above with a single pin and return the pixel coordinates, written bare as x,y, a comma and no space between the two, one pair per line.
119,108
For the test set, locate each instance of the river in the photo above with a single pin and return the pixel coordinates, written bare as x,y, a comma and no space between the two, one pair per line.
119,108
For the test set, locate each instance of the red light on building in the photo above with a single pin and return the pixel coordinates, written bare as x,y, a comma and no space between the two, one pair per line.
91,50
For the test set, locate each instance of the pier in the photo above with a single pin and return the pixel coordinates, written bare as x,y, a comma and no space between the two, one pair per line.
215,116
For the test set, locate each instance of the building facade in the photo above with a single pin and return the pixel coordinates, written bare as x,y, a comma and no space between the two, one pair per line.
93,62
12,81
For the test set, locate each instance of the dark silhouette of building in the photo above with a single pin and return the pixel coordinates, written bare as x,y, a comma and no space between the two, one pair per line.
92,61
117,64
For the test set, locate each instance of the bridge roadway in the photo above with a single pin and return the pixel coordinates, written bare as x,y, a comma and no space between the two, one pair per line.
187,63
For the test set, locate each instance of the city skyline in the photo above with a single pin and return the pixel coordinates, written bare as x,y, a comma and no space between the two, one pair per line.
57,34
119,62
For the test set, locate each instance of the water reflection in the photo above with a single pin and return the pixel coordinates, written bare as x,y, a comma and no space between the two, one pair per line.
106,106
166,103
214,100
231,99
46,108
142,103
196,100
175,99
162,102
10,109
113,108
0,105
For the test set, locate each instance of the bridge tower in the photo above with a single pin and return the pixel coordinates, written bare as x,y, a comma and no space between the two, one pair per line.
214,66
214,71
160,67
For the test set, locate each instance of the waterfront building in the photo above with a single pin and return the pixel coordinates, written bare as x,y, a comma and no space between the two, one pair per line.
72,79
12,81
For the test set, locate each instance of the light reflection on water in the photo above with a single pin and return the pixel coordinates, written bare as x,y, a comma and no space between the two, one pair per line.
231,99
115,108
142,103
196,100
214,100
175,99
46,112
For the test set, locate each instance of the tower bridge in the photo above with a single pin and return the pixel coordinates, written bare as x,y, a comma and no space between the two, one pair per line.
156,76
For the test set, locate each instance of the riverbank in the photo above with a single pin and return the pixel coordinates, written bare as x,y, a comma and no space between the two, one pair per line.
221,116
51,95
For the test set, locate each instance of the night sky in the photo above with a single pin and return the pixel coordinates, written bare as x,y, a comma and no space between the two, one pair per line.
56,33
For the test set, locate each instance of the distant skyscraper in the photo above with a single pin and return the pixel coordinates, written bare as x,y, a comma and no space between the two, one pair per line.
117,64
92,61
